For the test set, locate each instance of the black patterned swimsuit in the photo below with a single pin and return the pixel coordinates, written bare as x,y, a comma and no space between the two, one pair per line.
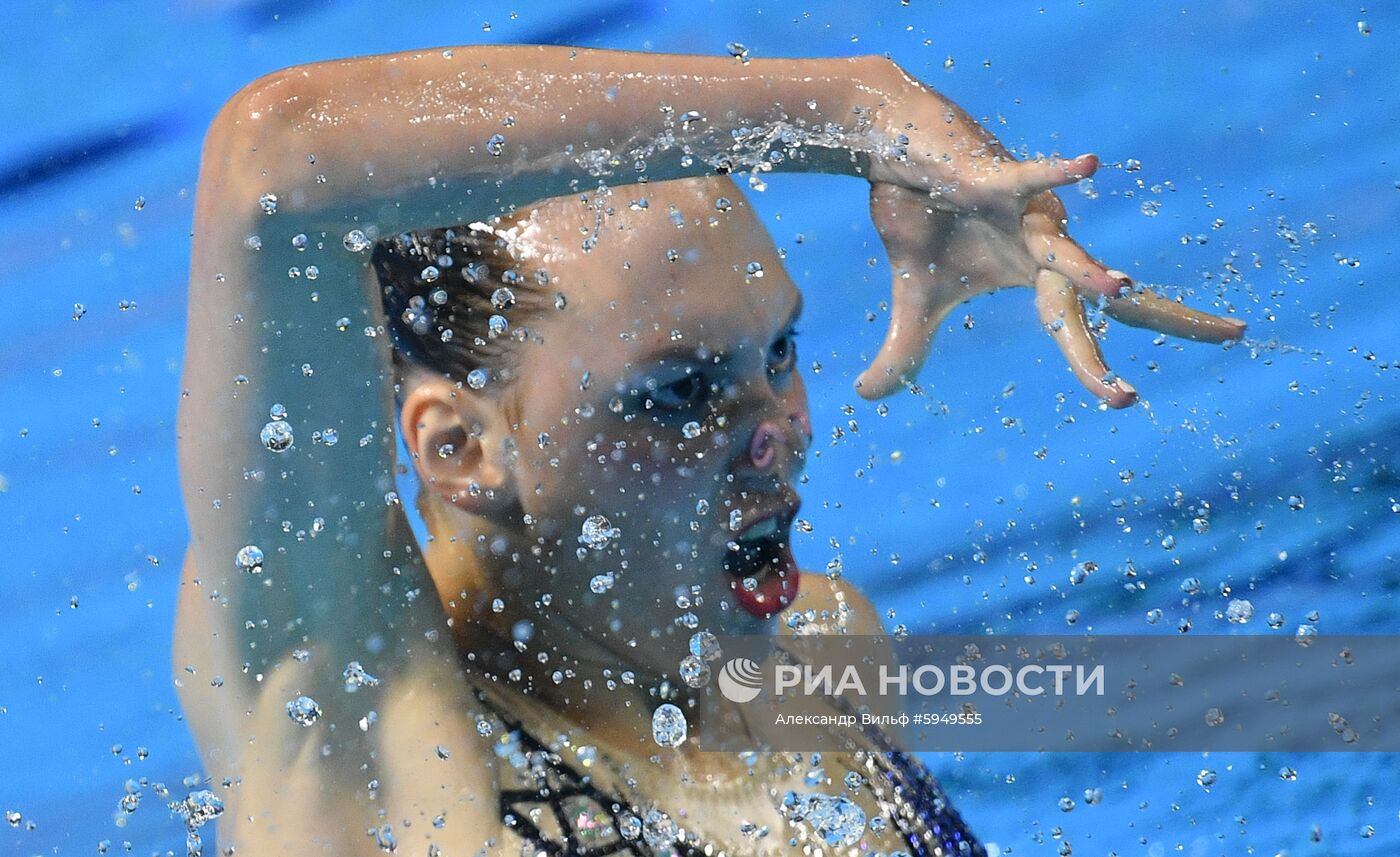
561,813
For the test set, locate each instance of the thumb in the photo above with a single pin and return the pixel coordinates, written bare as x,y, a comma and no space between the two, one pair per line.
912,231
918,307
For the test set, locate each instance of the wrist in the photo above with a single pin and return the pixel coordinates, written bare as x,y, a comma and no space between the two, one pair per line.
853,133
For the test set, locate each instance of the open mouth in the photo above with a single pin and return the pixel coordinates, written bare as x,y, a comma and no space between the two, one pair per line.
763,574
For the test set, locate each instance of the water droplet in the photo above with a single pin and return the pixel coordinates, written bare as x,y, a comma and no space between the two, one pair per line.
477,378
356,241
1295,502
1276,620
356,677
496,145
691,430
659,830
140,203
503,298
268,203
277,436
738,51
1363,27
1214,717
1239,611
497,325
303,710
754,269
837,819
1066,804
597,532
602,583
198,808
694,671
250,559
668,726
705,645
1206,778
384,838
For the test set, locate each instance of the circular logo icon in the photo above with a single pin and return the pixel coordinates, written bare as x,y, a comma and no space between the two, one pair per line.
740,680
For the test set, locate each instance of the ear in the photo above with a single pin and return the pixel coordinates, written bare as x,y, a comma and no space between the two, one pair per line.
456,438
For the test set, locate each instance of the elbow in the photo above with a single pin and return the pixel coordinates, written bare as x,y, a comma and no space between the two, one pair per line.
249,126
260,103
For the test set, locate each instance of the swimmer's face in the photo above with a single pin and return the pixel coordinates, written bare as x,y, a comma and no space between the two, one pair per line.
664,397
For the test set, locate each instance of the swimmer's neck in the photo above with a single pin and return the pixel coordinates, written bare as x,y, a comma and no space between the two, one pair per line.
561,667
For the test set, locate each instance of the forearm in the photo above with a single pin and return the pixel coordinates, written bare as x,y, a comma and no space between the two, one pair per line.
447,134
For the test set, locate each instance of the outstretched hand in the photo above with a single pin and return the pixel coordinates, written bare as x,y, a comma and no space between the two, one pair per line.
960,217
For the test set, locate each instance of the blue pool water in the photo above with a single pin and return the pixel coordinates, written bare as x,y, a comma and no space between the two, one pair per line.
1269,141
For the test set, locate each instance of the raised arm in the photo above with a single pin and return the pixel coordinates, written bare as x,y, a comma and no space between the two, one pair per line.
304,168
286,421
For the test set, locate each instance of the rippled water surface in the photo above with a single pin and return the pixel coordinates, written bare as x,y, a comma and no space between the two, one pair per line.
1264,141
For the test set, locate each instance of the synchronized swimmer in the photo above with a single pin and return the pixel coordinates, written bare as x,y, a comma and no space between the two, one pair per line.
596,381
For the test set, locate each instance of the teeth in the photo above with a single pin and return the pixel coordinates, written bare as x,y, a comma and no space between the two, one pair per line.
762,529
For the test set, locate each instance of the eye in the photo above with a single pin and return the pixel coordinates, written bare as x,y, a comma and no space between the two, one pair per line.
681,393
782,354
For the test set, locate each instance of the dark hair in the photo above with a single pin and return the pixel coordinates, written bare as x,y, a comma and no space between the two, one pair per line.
446,293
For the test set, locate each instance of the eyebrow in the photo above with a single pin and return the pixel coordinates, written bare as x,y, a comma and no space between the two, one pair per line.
682,353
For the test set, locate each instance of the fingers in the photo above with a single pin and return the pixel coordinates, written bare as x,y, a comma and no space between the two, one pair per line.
918,308
1028,178
1146,309
1067,258
914,233
1062,313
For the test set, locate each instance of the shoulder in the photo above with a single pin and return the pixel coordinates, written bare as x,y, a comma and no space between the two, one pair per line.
830,606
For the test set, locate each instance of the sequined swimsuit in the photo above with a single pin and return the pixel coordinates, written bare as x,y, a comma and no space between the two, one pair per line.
560,812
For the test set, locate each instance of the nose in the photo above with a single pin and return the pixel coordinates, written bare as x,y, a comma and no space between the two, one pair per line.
763,446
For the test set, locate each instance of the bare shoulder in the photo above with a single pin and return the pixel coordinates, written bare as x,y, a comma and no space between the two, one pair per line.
831,605
440,771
